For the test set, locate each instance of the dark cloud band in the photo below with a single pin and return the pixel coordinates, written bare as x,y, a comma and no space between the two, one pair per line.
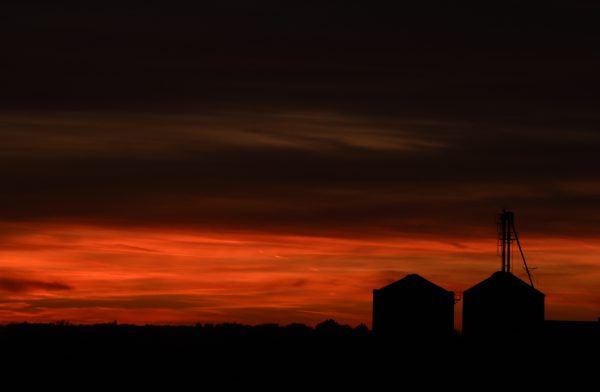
17,285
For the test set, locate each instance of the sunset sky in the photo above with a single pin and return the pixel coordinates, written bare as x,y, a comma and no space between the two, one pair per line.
268,161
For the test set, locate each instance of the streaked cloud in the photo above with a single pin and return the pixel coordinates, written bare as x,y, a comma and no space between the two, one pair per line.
275,162
18,285
194,276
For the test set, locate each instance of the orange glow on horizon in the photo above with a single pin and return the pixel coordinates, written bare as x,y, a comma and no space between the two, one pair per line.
86,274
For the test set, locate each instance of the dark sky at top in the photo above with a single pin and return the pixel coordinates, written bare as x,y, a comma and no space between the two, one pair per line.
340,116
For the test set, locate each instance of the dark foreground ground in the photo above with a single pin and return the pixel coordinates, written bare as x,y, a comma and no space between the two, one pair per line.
290,357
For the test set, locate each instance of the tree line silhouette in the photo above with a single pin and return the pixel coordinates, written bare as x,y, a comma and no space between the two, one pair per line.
259,355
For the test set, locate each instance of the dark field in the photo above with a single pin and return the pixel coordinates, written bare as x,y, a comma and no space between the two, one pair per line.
294,356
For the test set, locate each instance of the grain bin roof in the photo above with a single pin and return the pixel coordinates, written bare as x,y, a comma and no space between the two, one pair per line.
503,281
413,282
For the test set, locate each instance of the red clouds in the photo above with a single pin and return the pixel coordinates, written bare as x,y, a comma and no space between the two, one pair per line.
143,275
236,161
16,285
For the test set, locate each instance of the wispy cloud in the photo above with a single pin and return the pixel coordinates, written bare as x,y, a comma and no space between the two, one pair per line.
18,285
254,277
315,171
111,135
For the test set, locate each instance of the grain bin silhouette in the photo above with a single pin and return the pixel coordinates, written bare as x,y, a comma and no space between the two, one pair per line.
413,307
503,305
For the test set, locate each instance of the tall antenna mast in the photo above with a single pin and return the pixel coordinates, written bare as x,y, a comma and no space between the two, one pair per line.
506,224
507,234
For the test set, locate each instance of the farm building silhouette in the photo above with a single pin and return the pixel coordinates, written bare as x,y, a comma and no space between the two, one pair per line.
413,306
501,305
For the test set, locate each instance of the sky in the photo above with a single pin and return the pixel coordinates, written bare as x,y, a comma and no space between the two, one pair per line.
273,161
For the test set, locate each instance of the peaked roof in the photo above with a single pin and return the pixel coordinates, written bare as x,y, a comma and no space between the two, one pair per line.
413,282
502,281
